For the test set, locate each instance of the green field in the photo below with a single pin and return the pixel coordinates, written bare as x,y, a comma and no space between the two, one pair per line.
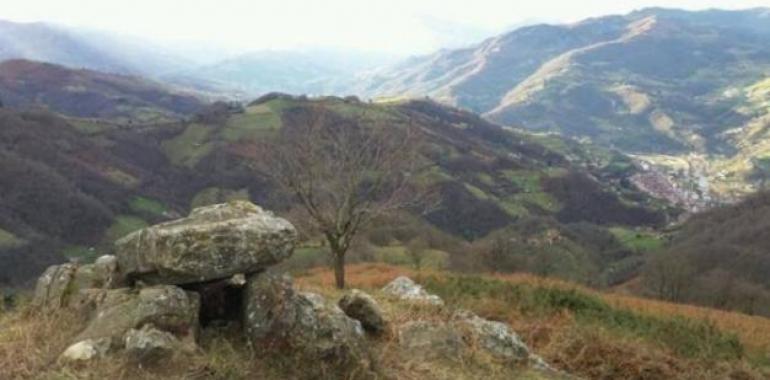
190,146
124,225
214,195
638,241
258,121
149,206
9,240
80,253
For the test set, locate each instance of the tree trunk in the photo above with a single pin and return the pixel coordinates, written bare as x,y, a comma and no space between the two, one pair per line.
339,269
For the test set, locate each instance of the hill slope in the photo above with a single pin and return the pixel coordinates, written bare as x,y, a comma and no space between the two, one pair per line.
579,331
718,258
90,94
655,81
114,178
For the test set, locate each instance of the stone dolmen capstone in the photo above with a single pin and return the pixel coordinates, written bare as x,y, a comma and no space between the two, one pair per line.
213,242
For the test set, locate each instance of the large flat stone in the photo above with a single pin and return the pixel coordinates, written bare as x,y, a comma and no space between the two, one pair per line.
214,242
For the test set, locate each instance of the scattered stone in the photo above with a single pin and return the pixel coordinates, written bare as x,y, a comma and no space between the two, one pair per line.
406,289
363,308
150,345
430,340
85,350
214,242
167,307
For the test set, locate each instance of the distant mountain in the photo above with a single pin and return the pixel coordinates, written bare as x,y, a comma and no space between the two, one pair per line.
315,72
47,43
655,81
91,94
82,48
619,70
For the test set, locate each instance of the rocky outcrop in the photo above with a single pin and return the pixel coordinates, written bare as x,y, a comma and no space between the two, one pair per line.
406,289
363,308
214,242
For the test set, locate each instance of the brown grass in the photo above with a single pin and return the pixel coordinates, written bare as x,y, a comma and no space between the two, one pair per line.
754,331
590,350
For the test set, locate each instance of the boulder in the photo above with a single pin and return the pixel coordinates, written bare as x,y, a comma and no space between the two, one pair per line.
213,242
499,340
363,308
166,307
60,285
150,345
278,319
406,289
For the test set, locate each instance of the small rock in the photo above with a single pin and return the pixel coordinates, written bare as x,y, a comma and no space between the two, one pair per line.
214,242
150,345
406,289
363,308
495,337
86,350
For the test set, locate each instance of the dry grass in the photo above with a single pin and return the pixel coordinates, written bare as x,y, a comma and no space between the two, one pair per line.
592,350
30,342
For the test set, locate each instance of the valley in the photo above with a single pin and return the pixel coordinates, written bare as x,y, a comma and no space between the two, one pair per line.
599,186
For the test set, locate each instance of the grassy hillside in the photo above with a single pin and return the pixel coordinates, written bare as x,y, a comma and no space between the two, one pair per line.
67,193
588,334
488,179
117,178
718,258
595,335
91,94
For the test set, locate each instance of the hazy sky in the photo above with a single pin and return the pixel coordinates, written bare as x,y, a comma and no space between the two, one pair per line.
396,26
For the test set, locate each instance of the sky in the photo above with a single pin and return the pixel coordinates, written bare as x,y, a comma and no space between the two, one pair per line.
401,27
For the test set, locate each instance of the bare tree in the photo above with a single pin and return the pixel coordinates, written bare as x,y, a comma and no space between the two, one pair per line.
343,172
